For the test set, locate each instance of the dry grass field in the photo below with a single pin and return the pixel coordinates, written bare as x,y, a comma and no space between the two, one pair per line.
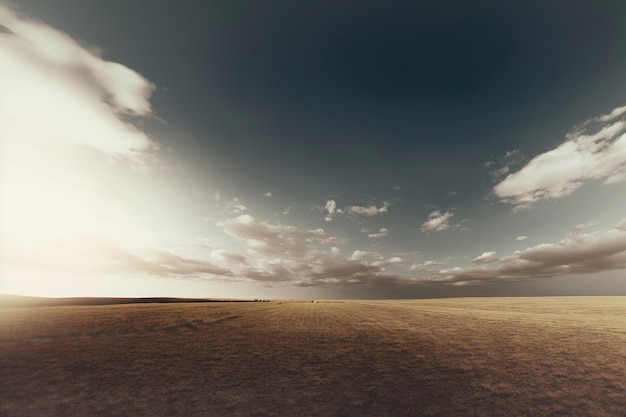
453,357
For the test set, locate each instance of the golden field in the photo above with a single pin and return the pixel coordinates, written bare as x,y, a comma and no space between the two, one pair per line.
450,357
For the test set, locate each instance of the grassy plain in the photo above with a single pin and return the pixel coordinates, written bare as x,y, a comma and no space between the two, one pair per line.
451,357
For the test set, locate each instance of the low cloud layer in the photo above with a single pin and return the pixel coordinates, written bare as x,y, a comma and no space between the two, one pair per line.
576,254
276,253
582,158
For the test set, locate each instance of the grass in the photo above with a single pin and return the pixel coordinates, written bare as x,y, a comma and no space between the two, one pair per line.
456,357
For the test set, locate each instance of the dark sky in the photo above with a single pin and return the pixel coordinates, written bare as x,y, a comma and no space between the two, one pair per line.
411,106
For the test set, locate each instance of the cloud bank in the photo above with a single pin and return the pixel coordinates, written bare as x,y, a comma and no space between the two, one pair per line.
576,254
278,253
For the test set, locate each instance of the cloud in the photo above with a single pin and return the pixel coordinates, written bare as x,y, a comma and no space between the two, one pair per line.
561,171
394,260
235,206
584,226
370,210
439,222
330,209
521,238
92,255
234,258
268,194
288,254
513,154
576,254
615,113
486,258
498,173
55,90
69,120
381,233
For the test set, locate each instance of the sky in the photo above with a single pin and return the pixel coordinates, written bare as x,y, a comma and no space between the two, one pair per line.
312,149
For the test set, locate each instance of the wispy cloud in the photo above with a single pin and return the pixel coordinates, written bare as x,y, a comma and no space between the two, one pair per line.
377,235
584,226
521,238
428,265
583,157
92,255
235,206
575,254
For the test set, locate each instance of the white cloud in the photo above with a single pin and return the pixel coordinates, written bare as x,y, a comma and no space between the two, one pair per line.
439,222
54,90
581,158
381,233
268,194
615,113
330,206
229,257
486,258
370,210
68,124
576,254
521,238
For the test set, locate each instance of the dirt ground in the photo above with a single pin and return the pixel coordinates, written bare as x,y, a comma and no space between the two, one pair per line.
454,357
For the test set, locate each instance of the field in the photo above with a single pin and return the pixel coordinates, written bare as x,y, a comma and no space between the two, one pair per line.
453,357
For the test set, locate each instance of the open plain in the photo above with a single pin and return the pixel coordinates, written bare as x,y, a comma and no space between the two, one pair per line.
450,357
